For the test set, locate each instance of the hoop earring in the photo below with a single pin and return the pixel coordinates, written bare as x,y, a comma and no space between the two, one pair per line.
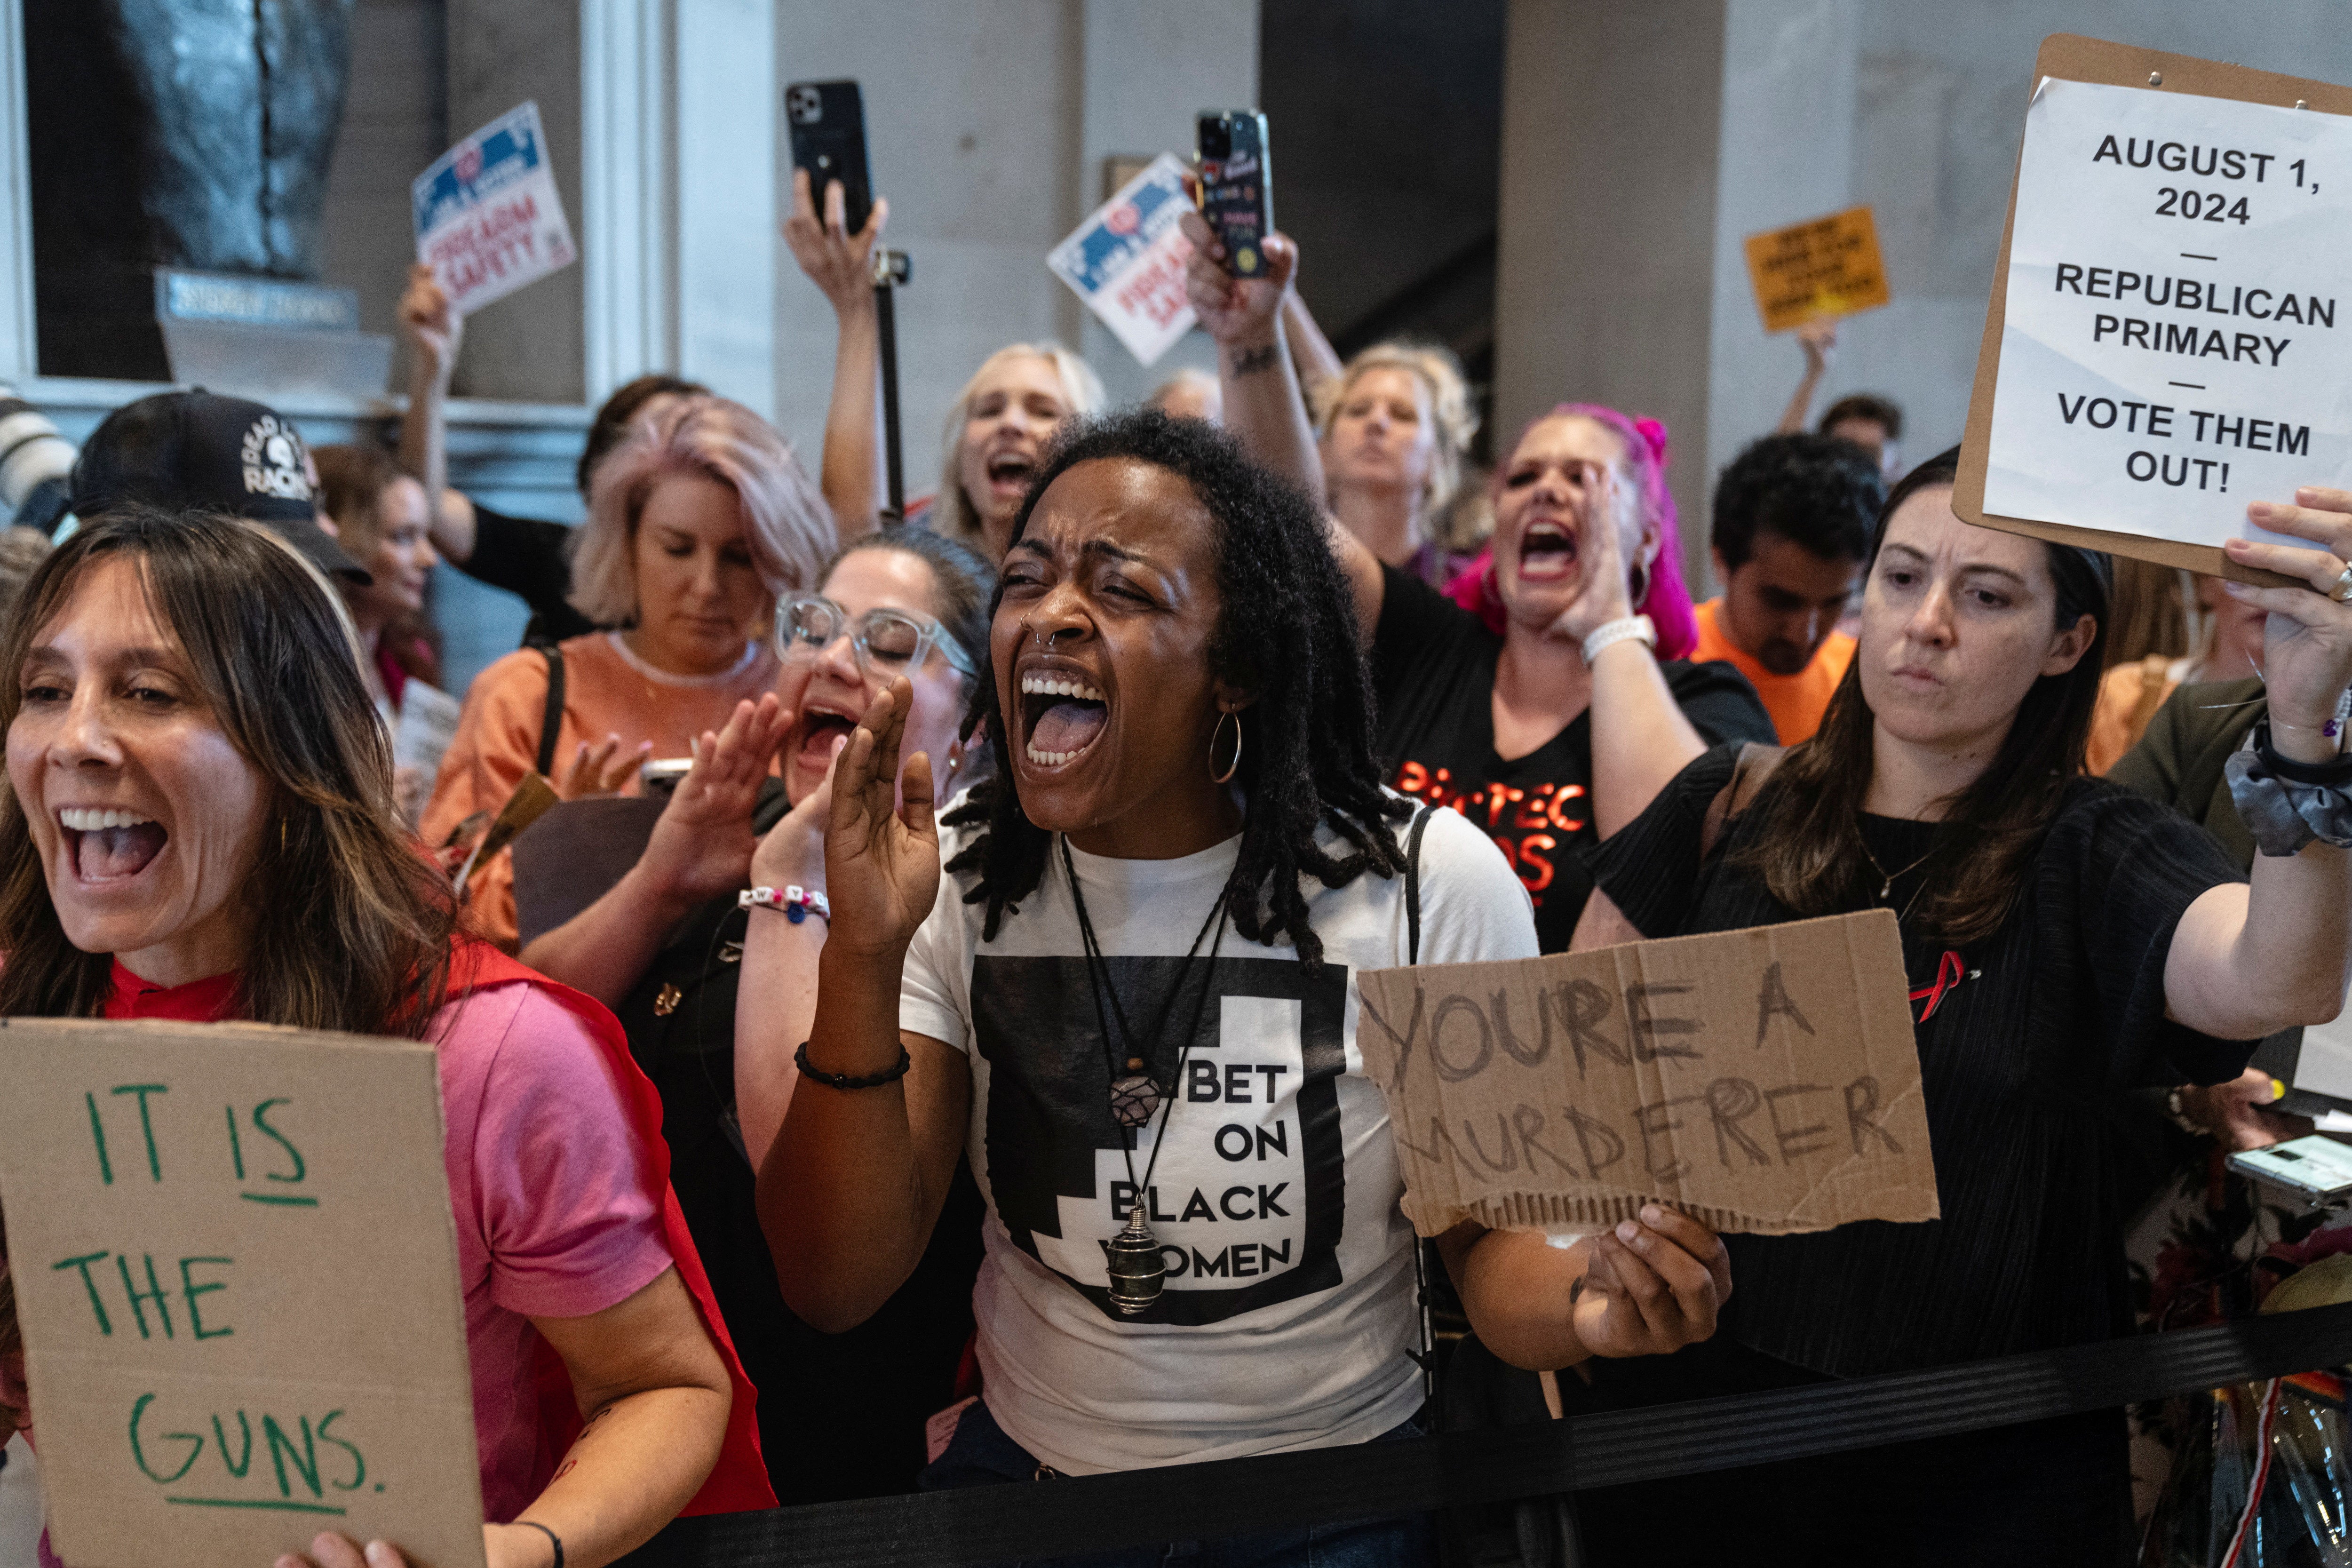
1642,593
1225,777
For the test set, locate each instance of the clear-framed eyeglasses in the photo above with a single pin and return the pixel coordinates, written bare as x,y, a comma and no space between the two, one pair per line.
887,642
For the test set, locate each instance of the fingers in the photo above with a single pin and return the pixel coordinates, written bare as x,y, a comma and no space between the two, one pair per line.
2327,526
915,805
836,209
2303,606
804,206
1281,254
901,698
1696,1239
333,1549
875,220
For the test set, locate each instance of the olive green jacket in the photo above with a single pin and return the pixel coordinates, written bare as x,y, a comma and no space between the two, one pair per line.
2179,760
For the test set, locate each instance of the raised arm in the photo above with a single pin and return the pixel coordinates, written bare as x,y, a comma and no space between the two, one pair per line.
852,1187
700,848
1648,1288
1316,360
841,265
2250,959
433,331
1819,339
1264,407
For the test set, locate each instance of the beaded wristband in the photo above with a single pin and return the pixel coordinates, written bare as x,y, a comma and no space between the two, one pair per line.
846,1080
795,903
1623,630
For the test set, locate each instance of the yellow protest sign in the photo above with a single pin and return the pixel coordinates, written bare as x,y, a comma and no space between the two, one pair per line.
1823,266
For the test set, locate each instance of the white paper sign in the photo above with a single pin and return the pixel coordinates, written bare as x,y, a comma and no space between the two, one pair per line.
1126,261
2178,335
428,722
489,219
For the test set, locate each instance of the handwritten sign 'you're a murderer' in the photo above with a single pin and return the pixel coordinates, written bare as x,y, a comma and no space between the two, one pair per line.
1762,1081
237,1272
2174,339
489,219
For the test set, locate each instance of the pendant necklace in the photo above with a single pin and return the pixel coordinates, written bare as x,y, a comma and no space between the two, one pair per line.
1888,879
1138,1272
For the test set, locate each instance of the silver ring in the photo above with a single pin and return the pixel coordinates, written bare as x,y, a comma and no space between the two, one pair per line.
2342,590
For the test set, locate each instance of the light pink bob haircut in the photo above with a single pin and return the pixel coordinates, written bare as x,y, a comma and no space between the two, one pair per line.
787,526
1667,602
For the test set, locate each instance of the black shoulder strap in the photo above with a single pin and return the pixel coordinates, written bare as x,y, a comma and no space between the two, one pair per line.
1412,887
551,720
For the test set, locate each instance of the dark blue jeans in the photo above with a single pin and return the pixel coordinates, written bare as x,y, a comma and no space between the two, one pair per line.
981,1455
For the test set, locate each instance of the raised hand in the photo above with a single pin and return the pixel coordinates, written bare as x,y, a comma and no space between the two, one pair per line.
702,844
881,864
838,261
2307,639
601,768
434,330
1604,594
1818,338
1232,308
1654,1285
793,853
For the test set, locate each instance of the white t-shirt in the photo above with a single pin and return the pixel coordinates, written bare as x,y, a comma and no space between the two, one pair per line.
1289,1301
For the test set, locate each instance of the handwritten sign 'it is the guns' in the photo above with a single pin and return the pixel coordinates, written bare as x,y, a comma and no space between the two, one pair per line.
1762,1081
237,1275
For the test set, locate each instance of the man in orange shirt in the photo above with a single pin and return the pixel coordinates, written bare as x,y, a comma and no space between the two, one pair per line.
1792,520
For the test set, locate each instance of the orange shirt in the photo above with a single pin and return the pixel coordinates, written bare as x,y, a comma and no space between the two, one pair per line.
607,691
1795,701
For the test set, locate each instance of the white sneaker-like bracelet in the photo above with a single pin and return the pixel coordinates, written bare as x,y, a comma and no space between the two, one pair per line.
1619,631
795,903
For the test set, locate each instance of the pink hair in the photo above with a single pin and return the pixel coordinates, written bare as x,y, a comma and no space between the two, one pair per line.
1668,602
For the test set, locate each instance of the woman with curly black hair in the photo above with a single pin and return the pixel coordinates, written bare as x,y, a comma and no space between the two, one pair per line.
1194,1244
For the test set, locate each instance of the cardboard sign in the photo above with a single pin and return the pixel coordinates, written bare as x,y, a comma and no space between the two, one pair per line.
1126,261
236,1271
2165,343
1762,1081
1824,267
489,219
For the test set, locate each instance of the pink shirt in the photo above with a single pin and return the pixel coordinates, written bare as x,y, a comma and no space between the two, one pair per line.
554,1219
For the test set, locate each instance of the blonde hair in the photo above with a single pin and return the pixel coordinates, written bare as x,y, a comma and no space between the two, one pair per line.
789,529
1449,405
1082,392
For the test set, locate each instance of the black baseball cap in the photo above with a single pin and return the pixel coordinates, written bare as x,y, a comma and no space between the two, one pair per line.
202,452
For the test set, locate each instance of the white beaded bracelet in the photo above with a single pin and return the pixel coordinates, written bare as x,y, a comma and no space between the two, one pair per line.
795,903
1619,631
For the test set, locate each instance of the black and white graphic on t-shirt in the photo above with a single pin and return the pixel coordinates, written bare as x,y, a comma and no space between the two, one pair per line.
1248,1199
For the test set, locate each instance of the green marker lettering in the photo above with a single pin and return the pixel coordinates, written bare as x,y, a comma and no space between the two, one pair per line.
244,1461
155,1292
283,1142
235,1149
139,1454
359,1460
154,1165
281,1448
190,1291
98,1136
96,1305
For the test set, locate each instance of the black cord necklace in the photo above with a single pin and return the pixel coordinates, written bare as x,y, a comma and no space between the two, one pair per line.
1138,1272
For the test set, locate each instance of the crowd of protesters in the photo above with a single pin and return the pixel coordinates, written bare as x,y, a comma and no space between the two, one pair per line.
801,1138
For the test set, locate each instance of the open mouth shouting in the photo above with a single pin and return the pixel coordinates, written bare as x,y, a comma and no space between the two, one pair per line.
1062,715
1009,471
824,723
107,845
1546,550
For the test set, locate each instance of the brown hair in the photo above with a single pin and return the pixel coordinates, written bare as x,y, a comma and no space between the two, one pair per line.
350,926
351,482
1807,843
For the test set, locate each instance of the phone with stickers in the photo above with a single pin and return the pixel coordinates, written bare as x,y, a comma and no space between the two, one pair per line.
1237,176
827,122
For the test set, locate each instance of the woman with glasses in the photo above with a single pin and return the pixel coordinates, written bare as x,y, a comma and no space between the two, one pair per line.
697,524
840,1416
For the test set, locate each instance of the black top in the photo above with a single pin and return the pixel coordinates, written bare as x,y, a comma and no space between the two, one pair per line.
2055,1015
841,1416
1433,671
526,557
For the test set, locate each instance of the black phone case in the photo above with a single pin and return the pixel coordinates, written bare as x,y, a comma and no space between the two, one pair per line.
1237,192
827,121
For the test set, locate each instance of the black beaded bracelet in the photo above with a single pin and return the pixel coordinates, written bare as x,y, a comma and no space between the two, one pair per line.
534,1524
843,1080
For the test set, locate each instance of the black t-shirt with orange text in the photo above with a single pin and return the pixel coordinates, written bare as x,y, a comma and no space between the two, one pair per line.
1433,670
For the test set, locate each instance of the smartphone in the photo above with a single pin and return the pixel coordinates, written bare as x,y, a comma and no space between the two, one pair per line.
2316,1169
828,128
1236,184
662,773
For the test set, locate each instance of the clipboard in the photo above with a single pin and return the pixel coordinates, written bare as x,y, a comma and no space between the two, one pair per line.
2072,58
